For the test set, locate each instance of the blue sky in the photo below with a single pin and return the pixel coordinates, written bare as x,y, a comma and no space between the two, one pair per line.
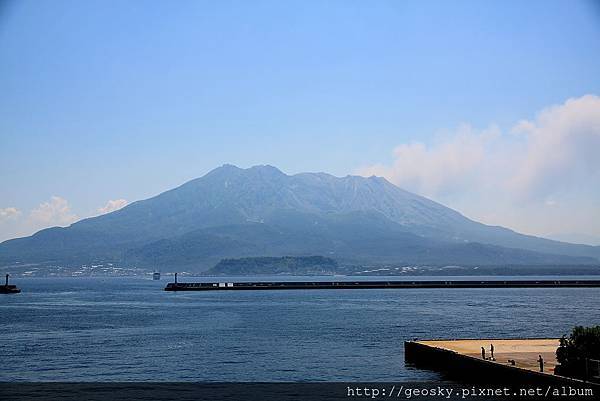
121,100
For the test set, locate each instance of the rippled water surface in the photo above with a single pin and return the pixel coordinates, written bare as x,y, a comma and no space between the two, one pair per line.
87,329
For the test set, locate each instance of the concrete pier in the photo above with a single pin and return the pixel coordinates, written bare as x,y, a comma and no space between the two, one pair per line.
397,284
514,361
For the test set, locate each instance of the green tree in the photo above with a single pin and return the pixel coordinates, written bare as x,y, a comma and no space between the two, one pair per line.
574,351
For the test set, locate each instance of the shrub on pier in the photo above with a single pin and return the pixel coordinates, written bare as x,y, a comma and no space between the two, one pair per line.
579,354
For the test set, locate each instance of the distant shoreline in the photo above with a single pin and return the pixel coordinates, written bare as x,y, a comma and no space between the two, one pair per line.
169,276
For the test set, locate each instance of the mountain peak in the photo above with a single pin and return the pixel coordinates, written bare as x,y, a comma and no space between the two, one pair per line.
259,168
266,169
270,170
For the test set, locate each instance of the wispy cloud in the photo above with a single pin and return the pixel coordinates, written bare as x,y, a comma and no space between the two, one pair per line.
55,212
542,175
562,148
446,166
112,205
9,213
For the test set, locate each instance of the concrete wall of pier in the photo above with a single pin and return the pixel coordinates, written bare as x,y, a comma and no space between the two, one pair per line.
466,368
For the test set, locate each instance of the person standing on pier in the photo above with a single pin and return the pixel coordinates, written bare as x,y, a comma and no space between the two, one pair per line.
483,352
541,362
492,351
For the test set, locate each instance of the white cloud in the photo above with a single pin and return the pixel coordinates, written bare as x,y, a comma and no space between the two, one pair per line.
9,213
55,212
542,175
563,145
112,205
448,165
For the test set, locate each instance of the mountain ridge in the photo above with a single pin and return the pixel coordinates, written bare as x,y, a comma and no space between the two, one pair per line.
312,211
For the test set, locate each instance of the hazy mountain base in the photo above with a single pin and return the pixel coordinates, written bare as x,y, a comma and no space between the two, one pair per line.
319,265
301,266
304,265
357,237
233,213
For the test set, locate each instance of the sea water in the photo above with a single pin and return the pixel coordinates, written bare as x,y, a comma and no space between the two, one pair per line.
129,329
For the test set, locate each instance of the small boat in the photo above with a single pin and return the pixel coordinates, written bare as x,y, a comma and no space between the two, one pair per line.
156,276
9,289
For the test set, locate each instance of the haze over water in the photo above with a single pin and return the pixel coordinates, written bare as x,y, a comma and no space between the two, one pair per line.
121,329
